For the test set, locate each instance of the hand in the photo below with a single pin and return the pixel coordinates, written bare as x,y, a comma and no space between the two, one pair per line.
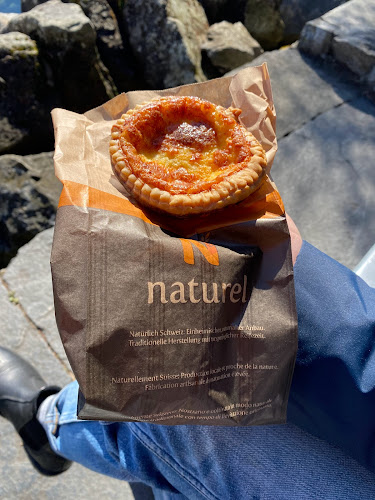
296,239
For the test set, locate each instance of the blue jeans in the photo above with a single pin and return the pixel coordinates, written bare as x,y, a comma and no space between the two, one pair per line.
332,397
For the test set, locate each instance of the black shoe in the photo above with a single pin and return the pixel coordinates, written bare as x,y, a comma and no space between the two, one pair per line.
22,390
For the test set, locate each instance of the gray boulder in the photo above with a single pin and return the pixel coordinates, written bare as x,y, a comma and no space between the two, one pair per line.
296,13
229,46
347,33
76,77
115,53
4,21
24,122
263,20
166,37
29,194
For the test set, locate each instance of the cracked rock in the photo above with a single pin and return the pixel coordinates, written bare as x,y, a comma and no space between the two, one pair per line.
263,21
24,120
166,37
229,46
29,193
66,40
346,33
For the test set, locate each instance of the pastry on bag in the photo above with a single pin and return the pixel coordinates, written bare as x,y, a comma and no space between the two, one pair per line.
181,316
186,156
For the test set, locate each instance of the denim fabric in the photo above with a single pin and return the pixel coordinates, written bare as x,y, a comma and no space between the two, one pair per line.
333,394
332,397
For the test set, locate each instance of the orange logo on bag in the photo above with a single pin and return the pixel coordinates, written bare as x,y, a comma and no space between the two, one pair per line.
208,250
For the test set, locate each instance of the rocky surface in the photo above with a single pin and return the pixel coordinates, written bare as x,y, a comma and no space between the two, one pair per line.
263,20
115,52
24,120
328,184
67,43
229,46
166,36
4,20
111,41
346,33
29,193
296,13
284,19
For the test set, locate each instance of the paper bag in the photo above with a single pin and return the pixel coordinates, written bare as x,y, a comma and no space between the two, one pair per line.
168,320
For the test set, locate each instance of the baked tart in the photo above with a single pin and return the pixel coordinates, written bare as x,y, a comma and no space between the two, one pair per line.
185,155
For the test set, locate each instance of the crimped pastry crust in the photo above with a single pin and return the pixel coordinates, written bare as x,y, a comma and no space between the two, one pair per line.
184,155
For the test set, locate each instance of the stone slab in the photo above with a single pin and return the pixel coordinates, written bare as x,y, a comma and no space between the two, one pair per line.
325,174
29,277
296,13
303,87
347,33
19,334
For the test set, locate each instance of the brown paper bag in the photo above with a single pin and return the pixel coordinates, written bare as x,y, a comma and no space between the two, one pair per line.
165,320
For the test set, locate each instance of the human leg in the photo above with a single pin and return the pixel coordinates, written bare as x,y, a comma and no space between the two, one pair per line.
197,462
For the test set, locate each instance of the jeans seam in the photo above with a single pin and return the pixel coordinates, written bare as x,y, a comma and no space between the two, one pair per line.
172,463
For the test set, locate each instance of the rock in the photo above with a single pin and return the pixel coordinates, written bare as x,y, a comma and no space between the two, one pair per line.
357,53
4,21
346,33
316,38
66,39
296,13
29,194
24,121
263,21
166,36
115,54
230,45
12,136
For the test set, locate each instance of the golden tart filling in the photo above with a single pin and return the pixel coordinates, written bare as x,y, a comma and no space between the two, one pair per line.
184,155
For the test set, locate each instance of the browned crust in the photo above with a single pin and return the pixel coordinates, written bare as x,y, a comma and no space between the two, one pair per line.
153,186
